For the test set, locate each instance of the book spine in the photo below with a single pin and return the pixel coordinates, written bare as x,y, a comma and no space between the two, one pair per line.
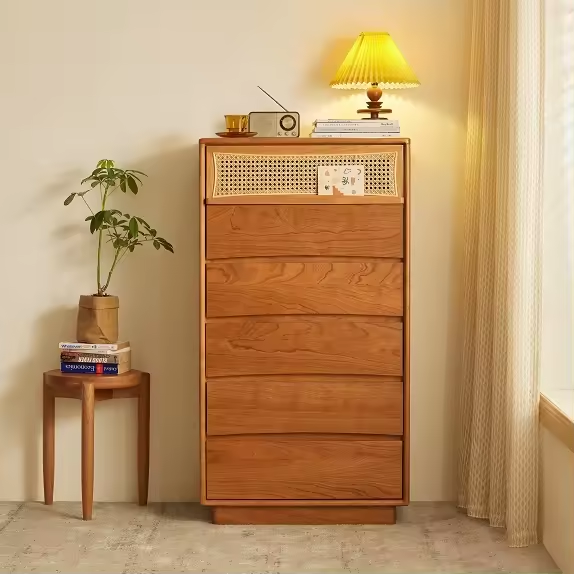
89,368
88,346
358,123
361,129
79,357
352,135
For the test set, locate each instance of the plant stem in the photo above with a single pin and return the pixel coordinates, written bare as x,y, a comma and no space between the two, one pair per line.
101,291
115,262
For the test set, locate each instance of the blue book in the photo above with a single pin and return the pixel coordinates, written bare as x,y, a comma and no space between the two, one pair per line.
91,368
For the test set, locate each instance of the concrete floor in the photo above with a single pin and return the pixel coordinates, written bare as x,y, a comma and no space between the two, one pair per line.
178,538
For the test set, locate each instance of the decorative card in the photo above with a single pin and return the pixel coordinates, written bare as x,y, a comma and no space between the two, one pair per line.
341,180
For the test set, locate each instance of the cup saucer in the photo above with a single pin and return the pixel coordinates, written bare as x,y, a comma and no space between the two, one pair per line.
236,134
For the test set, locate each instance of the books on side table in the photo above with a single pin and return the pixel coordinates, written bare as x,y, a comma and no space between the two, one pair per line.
356,129
95,358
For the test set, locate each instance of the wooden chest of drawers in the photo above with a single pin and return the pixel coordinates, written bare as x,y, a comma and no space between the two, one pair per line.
304,381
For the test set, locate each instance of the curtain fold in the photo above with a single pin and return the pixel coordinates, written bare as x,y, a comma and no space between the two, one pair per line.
498,458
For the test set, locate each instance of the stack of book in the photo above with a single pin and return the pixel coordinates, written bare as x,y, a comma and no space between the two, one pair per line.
95,359
356,129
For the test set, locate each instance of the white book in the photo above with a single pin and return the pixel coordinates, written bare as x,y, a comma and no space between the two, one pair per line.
65,346
351,128
372,135
96,351
358,123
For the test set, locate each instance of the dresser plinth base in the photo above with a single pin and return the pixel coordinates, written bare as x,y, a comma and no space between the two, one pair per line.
304,515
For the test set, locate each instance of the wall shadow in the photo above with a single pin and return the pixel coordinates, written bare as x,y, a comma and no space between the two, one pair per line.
21,405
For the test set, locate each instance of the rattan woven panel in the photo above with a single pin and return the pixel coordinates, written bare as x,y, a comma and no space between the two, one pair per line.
262,174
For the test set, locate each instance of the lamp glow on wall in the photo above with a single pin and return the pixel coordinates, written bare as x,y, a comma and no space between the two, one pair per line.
374,63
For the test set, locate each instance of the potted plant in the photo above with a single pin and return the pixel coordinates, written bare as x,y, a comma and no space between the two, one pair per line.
98,313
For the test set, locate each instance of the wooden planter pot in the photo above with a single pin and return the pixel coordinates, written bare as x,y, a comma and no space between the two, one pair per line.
98,319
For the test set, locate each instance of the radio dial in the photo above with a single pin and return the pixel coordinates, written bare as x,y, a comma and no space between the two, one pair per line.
287,123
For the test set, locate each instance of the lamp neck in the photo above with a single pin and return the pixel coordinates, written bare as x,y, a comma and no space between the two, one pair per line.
374,93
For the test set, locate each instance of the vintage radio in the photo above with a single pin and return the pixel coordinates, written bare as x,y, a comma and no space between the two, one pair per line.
275,124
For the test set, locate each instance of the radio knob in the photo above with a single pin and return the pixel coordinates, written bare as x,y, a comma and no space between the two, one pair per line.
294,134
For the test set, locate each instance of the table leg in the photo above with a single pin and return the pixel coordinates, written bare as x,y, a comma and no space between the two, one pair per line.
49,421
87,449
143,439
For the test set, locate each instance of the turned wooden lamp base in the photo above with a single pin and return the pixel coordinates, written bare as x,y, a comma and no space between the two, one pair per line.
374,104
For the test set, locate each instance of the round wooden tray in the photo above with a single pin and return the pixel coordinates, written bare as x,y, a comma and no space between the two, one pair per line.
236,134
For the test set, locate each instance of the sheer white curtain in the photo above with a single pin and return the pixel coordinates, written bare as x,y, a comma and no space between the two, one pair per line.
498,463
558,273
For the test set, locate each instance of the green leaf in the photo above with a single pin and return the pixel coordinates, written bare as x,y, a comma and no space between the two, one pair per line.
136,171
69,199
131,248
97,221
156,244
153,232
133,226
135,177
132,185
82,193
109,163
94,183
123,185
107,216
143,222
89,218
127,215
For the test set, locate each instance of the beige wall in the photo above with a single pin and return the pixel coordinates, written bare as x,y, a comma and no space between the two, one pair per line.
557,500
140,82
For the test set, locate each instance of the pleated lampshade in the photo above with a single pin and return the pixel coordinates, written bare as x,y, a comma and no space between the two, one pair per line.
374,59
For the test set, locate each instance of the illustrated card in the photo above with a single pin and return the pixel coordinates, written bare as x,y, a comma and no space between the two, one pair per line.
341,180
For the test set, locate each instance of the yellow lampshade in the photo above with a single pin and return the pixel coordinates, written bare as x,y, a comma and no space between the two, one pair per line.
374,59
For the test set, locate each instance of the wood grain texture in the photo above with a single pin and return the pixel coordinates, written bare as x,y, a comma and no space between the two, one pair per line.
49,437
306,287
90,389
280,467
143,438
87,449
286,230
303,515
407,327
304,345
299,198
300,145
202,314
282,405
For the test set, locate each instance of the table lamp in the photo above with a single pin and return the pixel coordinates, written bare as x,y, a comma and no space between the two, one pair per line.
373,63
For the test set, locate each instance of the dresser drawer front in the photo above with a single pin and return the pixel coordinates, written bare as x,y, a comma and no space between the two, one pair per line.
303,468
305,405
282,169
304,345
290,287
291,230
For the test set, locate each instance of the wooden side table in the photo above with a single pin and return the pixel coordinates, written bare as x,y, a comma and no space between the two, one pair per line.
89,389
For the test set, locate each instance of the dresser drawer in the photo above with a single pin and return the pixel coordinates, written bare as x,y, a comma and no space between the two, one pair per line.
304,345
284,230
331,287
301,468
305,404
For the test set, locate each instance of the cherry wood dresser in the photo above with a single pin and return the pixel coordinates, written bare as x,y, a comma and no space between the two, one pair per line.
304,382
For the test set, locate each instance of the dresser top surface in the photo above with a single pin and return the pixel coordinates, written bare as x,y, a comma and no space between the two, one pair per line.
302,141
